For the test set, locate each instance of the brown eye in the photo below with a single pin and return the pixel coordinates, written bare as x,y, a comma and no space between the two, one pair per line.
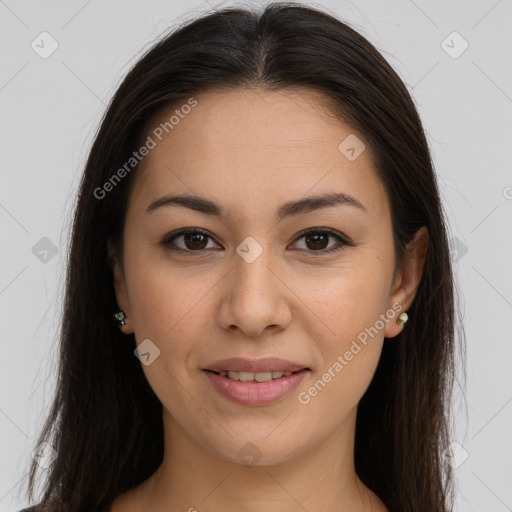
190,240
197,241
317,240
194,240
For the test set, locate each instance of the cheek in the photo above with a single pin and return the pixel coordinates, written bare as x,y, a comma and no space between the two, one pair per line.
349,331
350,352
169,308
337,389
168,302
346,299
173,308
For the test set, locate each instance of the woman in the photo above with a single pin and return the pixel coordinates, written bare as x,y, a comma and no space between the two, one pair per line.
259,310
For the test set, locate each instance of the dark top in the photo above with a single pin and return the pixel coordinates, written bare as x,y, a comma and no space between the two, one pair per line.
29,509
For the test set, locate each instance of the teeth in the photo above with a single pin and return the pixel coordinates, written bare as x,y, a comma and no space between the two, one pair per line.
263,376
244,376
254,376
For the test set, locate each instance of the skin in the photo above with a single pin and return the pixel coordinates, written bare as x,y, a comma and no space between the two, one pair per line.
250,151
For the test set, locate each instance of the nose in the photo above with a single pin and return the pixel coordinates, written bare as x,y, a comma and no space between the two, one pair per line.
255,297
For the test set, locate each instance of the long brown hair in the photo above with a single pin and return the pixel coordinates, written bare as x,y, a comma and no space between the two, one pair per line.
105,422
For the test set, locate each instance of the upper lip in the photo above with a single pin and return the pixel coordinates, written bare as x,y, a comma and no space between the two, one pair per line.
267,364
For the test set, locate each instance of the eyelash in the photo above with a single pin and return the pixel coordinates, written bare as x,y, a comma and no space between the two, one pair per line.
343,241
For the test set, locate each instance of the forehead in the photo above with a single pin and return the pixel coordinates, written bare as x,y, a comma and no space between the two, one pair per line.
256,145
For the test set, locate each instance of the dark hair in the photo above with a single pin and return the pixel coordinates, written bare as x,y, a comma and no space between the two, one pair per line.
105,421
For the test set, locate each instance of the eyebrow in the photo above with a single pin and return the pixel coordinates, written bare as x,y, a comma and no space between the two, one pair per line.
291,208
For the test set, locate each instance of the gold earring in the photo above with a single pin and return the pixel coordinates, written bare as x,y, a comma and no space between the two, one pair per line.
402,318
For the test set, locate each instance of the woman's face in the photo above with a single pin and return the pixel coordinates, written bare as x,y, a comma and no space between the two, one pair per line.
251,285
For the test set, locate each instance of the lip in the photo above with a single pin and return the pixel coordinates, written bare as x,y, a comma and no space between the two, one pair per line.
255,393
267,364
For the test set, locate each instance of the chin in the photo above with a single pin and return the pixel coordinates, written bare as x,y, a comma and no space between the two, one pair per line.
257,448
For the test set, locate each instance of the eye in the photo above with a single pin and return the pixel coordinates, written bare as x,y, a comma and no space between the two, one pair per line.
196,240
316,240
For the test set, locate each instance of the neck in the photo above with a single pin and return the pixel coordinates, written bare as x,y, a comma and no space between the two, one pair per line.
193,478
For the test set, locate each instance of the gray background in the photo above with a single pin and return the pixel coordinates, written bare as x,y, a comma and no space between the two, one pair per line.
50,108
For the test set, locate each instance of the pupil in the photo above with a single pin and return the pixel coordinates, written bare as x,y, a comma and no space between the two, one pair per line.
316,240
194,238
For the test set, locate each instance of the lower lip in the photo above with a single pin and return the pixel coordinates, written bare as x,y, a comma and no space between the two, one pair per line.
255,393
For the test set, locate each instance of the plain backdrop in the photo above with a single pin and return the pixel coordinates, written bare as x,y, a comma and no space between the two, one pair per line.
455,58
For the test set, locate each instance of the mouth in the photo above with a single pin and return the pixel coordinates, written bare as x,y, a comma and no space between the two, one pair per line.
255,376
253,389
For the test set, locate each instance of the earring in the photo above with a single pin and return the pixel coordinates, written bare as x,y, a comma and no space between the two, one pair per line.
120,316
402,318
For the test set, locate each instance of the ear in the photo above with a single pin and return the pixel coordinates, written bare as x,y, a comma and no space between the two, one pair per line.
120,286
408,278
